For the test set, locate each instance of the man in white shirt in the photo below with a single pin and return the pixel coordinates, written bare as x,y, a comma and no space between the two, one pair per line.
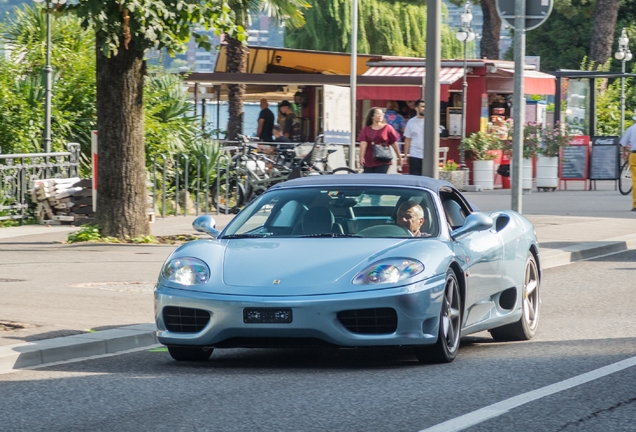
414,139
628,141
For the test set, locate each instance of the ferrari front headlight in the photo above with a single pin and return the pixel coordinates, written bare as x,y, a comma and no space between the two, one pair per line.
389,271
186,271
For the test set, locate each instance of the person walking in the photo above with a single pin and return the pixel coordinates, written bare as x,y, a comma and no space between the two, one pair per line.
414,139
377,133
291,128
265,122
394,118
628,142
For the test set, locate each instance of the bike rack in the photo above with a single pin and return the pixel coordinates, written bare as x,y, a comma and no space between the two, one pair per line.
207,183
185,183
154,186
226,158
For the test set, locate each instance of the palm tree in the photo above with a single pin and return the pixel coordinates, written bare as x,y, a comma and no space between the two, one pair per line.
287,11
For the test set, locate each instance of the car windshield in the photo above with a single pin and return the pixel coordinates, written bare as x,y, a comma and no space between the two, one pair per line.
351,211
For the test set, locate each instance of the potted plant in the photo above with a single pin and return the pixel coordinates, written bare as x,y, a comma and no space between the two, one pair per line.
480,147
554,138
532,136
450,172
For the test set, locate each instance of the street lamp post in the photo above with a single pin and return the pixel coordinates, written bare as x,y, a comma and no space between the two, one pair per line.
624,55
465,34
48,72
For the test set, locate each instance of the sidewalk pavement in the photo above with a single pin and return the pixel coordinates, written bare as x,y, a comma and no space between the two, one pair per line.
571,225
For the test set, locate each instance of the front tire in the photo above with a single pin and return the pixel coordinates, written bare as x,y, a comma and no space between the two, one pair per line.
447,345
625,179
181,353
230,196
525,328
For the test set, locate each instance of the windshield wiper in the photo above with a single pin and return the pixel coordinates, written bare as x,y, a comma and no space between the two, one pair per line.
331,235
241,236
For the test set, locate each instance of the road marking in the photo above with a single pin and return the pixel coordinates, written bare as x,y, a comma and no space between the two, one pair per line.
499,408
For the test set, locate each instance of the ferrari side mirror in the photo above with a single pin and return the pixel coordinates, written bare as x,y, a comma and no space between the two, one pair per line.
206,224
474,222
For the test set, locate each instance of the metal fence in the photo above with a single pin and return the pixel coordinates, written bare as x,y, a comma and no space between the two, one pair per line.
176,178
18,172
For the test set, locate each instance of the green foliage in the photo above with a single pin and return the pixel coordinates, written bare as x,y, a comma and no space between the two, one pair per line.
169,121
150,24
386,27
479,144
207,152
93,233
553,138
608,110
564,39
450,165
22,82
532,137
289,12
86,233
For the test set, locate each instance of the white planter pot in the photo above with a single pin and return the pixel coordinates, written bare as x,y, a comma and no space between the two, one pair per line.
547,172
484,174
526,174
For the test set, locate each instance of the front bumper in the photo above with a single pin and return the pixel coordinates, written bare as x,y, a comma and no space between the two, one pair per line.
417,306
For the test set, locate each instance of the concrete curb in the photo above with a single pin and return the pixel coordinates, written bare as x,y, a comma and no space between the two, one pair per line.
27,355
555,258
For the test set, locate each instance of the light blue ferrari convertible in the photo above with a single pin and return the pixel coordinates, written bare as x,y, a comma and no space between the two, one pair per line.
352,261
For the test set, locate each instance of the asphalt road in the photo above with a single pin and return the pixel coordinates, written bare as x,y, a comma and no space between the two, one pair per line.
587,323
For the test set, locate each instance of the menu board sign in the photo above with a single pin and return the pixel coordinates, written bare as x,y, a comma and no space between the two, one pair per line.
604,161
574,159
454,121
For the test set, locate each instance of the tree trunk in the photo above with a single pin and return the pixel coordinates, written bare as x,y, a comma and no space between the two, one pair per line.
236,63
121,193
490,30
603,30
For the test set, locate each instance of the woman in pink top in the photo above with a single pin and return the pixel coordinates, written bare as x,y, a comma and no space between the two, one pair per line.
377,132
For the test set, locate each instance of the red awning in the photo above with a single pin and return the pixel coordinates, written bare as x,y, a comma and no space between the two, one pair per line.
446,75
396,91
385,93
535,82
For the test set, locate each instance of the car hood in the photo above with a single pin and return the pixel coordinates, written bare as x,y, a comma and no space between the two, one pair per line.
302,266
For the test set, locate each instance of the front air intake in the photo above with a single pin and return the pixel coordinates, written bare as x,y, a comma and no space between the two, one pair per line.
185,320
369,321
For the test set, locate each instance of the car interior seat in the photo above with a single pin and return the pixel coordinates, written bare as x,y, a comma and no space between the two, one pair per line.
320,220
454,214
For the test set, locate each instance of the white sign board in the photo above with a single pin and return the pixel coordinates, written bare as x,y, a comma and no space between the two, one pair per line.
337,114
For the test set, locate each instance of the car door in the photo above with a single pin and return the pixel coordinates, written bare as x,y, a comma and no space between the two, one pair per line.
483,254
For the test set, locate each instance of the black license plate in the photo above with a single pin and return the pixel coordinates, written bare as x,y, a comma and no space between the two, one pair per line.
267,315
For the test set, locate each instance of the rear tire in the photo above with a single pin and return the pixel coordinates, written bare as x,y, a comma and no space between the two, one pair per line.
447,345
625,179
181,353
231,201
525,328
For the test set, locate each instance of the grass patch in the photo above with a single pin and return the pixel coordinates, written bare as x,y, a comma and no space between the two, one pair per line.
92,233
16,222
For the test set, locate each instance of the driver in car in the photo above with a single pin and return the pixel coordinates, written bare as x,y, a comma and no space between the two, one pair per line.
411,216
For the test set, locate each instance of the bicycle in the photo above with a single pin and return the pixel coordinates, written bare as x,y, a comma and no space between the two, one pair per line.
252,173
316,162
625,179
246,177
